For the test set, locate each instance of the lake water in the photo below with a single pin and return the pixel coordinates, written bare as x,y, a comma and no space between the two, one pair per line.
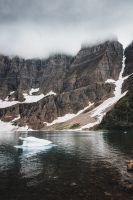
87,165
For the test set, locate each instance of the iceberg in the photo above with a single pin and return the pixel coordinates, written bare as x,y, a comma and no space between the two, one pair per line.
33,142
32,145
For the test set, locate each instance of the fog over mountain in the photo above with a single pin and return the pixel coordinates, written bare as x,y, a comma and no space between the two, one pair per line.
37,28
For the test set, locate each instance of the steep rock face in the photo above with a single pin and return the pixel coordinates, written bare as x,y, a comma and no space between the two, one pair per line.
21,75
121,116
129,60
93,66
76,80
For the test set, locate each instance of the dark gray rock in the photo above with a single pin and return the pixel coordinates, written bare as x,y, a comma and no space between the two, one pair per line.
76,80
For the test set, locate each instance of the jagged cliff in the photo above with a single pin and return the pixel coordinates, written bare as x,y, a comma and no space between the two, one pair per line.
121,115
75,80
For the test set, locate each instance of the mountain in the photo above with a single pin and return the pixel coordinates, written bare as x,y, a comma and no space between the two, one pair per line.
121,116
58,92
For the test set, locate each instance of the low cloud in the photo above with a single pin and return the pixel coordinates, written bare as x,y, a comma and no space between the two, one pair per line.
37,28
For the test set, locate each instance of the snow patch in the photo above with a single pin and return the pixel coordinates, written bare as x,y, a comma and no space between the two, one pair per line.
9,127
33,90
6,103
7,98
15,119
35,98
12,92
28,99
6,127
32,99
23,128
68,116
110,81
90,125
50,93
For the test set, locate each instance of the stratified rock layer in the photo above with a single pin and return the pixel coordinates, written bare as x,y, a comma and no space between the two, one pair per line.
76,81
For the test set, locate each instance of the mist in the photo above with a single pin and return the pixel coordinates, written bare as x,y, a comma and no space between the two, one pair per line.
38,28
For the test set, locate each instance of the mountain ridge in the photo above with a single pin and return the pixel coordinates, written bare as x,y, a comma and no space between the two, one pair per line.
76,81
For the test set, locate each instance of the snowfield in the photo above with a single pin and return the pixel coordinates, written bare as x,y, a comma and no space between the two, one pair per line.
68,116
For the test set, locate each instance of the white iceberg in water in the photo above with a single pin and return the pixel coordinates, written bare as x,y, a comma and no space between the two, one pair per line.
30,142
31,145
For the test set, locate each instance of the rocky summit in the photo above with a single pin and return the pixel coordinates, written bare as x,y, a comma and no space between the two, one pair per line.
62,91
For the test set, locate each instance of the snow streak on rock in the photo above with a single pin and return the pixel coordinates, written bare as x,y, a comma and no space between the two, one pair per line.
99,112
110,81
34,98
29,98
8,126
6,103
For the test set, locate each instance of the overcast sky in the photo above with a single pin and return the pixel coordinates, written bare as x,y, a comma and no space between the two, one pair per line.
37,28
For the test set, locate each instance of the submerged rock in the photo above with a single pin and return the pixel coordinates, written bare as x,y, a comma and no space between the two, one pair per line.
127,186
73,184
130,166
108,194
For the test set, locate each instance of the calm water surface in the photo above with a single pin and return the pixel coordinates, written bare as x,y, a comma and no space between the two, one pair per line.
79,166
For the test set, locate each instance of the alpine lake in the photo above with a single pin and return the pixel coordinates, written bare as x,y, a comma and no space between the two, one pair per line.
77,166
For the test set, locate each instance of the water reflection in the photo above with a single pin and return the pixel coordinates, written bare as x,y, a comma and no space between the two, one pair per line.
28,152
80,166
